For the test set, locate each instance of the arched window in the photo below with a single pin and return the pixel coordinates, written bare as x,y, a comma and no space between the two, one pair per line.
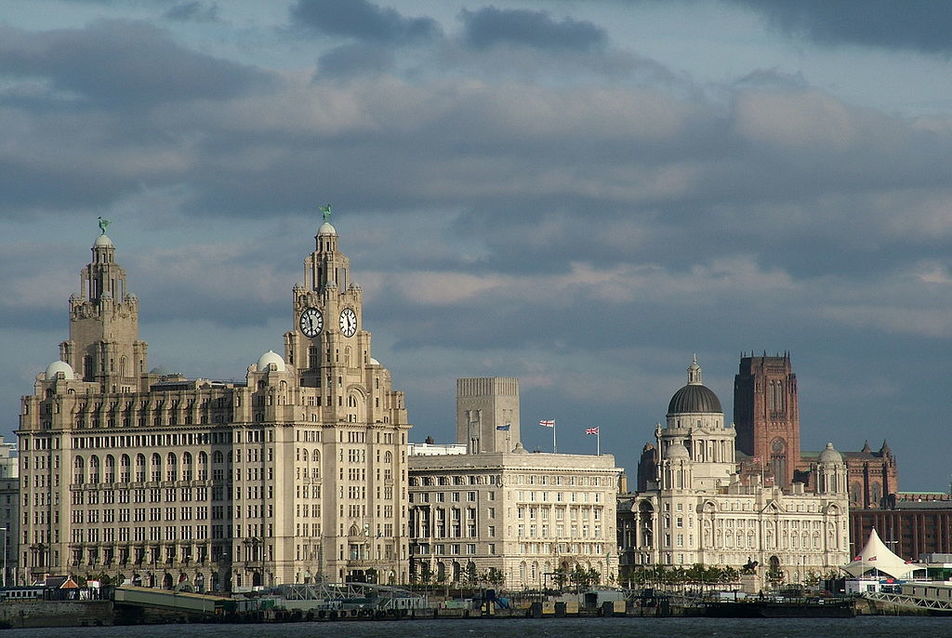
94,469
79,470
172,469
124,471
110,469
876,494
156,467
140,468
187,466
202,466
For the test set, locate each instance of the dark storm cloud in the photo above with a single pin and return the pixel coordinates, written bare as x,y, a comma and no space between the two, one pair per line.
355,59
489,26
25,184
193,12
923,26
362,20
118,63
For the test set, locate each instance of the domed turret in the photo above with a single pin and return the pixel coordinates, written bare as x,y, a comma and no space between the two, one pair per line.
677,451
271,358
57,367
103,241
831,472
830,455
695,397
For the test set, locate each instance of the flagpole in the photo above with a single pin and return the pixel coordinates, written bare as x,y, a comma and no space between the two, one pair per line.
598,442
555,449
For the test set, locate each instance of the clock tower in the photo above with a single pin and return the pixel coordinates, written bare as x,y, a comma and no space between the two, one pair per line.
327,315
354,421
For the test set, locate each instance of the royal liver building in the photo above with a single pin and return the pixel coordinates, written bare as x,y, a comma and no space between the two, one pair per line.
297,473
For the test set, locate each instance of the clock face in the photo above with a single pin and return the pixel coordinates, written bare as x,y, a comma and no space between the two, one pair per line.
348,322
312,322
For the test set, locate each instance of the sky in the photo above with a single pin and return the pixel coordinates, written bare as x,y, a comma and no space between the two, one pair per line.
580,194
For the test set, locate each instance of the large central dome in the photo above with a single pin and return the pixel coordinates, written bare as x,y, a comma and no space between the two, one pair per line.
695,397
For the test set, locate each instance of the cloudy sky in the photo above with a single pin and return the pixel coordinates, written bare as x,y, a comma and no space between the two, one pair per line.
579,194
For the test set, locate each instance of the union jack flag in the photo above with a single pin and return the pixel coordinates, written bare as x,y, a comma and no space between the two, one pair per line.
591,430
547,423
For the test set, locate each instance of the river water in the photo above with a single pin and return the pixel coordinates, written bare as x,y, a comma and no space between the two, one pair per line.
864,627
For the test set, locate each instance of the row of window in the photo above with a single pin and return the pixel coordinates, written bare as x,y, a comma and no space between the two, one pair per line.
559,513
441,497
472,479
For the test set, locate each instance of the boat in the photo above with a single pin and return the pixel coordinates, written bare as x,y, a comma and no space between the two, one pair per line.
760,608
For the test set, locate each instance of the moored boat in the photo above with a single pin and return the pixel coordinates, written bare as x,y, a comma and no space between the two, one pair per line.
758,608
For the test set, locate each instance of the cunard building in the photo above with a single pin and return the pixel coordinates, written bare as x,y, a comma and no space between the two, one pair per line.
297,473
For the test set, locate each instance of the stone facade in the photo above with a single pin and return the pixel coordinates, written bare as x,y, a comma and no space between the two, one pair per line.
523,514
298,472
767,415
767,419
487,413
696,510
873,477
9,512
499,509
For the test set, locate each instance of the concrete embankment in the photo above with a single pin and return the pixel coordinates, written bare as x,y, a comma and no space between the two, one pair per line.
56,613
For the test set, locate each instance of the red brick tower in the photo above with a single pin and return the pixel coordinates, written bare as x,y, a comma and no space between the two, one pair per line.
767,415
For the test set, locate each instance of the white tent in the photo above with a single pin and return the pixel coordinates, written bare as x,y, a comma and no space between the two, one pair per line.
877,559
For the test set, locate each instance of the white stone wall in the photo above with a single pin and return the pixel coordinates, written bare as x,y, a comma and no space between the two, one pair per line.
530,514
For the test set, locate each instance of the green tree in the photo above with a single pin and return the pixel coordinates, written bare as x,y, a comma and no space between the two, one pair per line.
593,577
471,576
494,577
579,576
729,575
